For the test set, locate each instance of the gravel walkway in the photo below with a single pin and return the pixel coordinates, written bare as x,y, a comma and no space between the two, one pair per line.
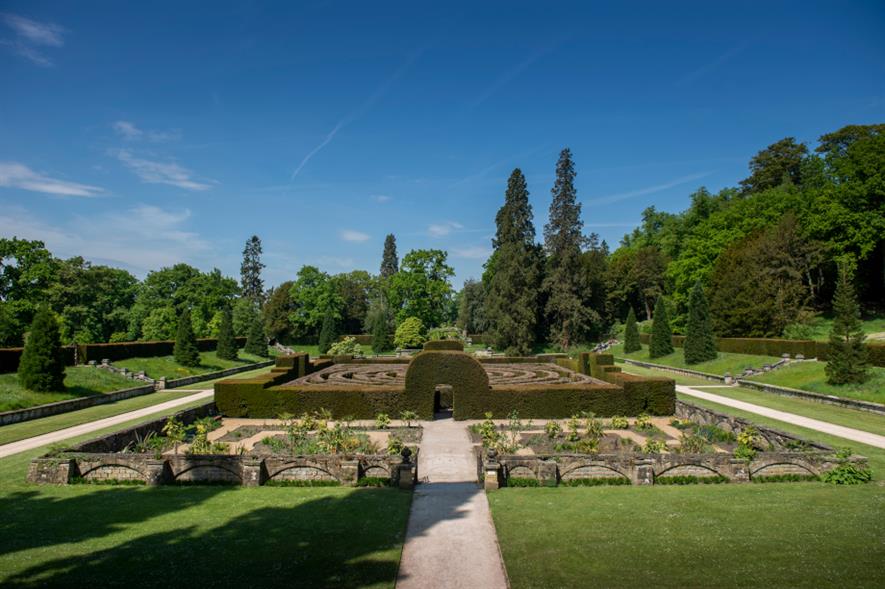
848,433
85,428
451,540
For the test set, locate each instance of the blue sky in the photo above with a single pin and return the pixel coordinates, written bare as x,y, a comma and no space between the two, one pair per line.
142,134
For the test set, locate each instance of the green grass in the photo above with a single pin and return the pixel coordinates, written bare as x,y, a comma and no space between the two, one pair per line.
81,381
810,376
777,535
724,362
160,366
788,534
820,327
861,420
84,535
36,427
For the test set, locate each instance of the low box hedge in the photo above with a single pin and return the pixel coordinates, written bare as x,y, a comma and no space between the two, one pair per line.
769,346
444,344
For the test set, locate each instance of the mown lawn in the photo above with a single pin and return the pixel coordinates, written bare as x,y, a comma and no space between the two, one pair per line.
774,535
810,376
80,536
81,381
724,362
167,366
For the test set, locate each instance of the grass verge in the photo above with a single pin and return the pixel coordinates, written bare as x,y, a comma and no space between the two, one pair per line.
810,376
161,366
724,362
81,381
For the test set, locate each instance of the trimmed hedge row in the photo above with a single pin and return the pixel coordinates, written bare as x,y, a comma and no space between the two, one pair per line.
236,397
545,401
430,368
761,346
444,344
256,401
9,358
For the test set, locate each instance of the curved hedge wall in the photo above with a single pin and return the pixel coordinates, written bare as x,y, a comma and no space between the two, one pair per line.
430,368
444,344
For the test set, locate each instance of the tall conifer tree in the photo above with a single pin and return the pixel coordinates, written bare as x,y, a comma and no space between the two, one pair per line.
227,344
567,316
250,271
256,340
632,342
847,356
389,260
42,367
511,304
661,335
185,351
700,345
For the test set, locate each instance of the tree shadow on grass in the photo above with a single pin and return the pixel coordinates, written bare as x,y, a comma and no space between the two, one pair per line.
334,538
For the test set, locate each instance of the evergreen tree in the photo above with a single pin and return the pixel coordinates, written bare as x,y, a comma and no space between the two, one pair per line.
661,335
256,341
328,333
389,261
382,339
567,316
511,304
185,351
42,366
847,356
632,342
227,344
250,271
700,345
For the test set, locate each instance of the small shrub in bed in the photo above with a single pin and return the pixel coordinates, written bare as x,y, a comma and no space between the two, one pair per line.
523,482
304,483
785,478
598,482
691,480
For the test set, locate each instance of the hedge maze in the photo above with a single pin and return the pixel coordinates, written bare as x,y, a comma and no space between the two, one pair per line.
539,387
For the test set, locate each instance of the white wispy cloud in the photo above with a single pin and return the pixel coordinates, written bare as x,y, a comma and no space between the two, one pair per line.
710,67
18,175
377,95
475,252
31,36
508,76
443,229
130,131
351,235
381,198
157,172
144,237
610,198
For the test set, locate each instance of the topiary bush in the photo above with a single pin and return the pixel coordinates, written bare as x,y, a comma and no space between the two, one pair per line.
661,334
227,345
42,366
409,334
699,345
328,334
256,341
631,334
185,351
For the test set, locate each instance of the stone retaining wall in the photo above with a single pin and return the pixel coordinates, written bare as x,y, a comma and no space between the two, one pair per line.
816,397
644,469
49,409
243,470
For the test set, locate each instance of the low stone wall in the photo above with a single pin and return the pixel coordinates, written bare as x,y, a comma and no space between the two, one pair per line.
644,469
249,471
816,397
685,371
49,409
776,439
19,415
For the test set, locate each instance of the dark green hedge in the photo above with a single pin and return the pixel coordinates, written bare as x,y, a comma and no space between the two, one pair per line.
763,346
652,395
444,344
428,369
255,401
546,401
124,350
9,358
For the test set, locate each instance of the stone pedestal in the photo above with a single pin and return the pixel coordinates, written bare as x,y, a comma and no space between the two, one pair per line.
406,476
155,472
645,473
492,475
251,472
350,471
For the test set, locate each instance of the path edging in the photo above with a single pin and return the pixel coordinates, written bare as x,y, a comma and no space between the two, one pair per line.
59,407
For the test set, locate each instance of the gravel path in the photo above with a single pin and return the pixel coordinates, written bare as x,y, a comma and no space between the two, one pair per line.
85,428
848,433
451,540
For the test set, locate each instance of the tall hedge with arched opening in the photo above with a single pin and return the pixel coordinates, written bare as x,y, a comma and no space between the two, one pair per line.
435,367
